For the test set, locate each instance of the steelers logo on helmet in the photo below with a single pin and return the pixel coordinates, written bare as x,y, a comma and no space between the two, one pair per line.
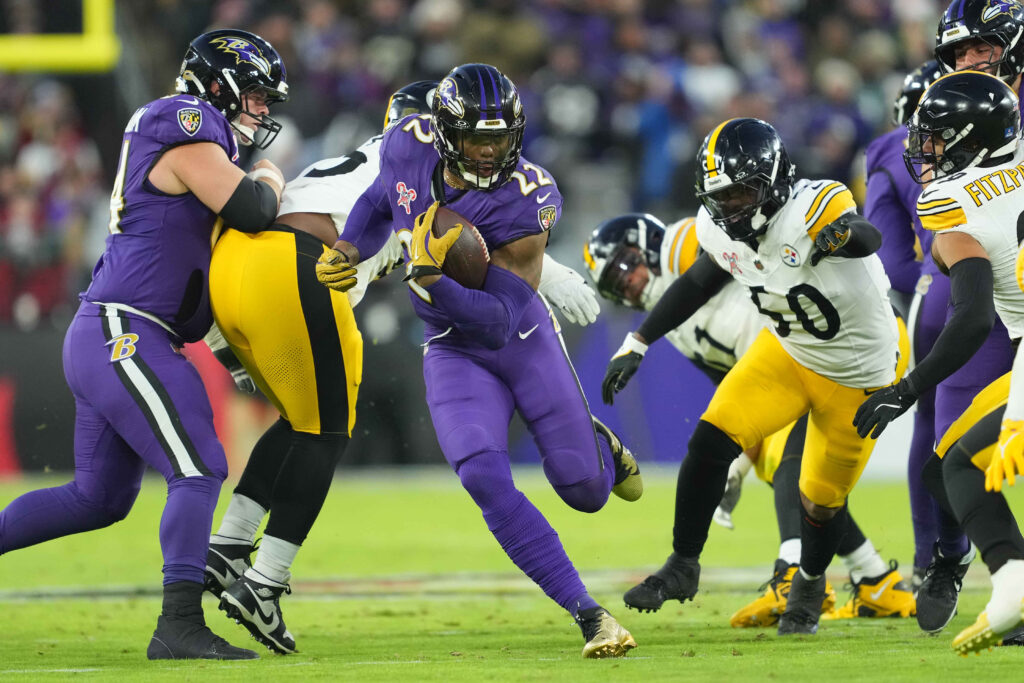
744,176
477,120
965,119
617,249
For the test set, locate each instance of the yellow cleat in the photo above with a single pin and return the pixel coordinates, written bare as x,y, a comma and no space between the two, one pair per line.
766,610
885,596
976,637
629,485
605,636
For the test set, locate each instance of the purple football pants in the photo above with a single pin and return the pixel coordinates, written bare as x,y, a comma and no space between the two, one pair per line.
472,393
138,401
936,411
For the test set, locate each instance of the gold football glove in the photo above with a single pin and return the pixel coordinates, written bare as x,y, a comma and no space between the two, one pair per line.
1008,458
335,272
427,251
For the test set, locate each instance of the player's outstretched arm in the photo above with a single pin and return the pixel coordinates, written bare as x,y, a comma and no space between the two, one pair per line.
849,236
566,289
367,228
689,292
970,279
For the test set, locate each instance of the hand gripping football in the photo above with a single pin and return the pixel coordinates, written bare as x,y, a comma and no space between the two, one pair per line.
467,259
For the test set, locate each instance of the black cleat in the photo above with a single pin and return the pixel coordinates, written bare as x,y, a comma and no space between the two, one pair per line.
1014,637
255,605
939,593
176,638
225,562
603,635
803,606
676,580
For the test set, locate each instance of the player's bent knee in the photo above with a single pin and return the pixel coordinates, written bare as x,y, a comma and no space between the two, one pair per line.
710,442
586,496
821,501
955,462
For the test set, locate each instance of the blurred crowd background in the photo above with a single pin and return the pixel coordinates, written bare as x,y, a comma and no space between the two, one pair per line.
618,95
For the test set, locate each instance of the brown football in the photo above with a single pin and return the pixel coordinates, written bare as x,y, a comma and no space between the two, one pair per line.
467,259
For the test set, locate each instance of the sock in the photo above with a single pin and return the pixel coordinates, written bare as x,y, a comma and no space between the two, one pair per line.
274,558
786,489
864,563
1007,593
185,527
241,521
853,538
819,542
700,486
183,600
302,484
581,603
741,465
924,510
789,551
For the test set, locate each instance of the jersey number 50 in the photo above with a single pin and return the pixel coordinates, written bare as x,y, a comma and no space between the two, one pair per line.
794,298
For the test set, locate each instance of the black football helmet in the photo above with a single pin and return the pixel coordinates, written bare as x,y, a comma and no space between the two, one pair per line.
414,98
995,22
914,85
241,63
615,249
473,105
744,176
973,116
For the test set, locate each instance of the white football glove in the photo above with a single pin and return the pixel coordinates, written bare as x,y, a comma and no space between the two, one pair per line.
566,289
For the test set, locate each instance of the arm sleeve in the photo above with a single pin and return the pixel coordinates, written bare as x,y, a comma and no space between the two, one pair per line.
251,207
974,314
489,315
690,291
865,239
369,223
885,210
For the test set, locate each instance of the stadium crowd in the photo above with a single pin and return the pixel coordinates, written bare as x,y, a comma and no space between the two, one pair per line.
619,94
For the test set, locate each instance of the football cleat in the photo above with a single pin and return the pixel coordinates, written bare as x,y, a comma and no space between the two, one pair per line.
225,562
940,591
803,605
604,636
176,638
766,610
976,637
629,485
1014,637
255,604
887,595
676,580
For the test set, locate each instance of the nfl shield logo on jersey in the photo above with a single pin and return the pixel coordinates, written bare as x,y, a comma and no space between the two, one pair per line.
790,256
546,216
190,119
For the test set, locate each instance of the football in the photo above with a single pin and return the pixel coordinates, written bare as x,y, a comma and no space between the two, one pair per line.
467,259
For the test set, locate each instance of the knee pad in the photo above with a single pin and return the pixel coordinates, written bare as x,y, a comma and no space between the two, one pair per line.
708,442
586,496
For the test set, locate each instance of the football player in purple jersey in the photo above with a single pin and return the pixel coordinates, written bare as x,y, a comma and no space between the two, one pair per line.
491,352
138,400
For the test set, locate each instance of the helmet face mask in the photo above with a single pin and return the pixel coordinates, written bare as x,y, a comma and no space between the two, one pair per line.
477,120
991,23
744,176
236,72
965,119
623,258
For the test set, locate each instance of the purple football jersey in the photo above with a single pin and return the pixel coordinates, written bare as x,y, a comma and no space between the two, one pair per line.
891,206
527,204
157,256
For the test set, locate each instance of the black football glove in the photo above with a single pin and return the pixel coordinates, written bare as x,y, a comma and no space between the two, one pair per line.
243,382
830,238
622,367
884,406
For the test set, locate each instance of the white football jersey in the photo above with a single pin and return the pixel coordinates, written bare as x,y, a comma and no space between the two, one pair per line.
332,186
833,318
984,203
722,329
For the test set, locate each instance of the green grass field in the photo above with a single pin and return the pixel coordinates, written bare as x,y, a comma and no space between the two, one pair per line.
401,580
